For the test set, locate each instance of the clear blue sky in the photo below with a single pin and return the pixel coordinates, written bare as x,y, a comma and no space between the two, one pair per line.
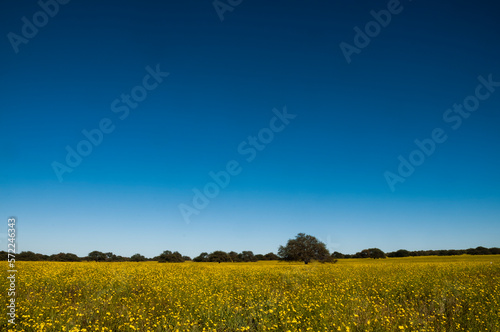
323,173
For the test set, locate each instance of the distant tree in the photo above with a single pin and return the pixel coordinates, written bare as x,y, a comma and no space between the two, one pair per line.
495,251
247,256
482,251
219,256
271,256
57,257
110,257
362,254
203,257
303,248
442,252
415,253
337,255
26,256
69,257
63,257
234,256
177,257
454,252
186,258
261,257
137,258
30,256
471,251
371,253
171,257
402,253
376,253
97,256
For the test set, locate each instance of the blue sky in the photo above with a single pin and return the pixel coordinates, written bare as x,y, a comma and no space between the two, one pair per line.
324,173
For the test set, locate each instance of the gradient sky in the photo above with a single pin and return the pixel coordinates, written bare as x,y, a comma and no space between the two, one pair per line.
323,174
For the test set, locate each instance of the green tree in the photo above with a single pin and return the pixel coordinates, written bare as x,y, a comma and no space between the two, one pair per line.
97,256
247,256
376,253
495,251
234,256
303,248
172,257
31,256
203,257
63,257
137,258
271,256
110,257
219,256
482,251
337,255
370,253
402,253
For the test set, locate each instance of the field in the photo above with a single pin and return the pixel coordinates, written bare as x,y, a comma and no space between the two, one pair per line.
460,293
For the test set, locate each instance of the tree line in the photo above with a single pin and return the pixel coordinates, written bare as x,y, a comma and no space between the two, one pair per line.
166,256
377,253
304,248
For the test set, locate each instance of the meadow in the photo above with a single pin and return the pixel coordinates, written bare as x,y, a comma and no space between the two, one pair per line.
459,293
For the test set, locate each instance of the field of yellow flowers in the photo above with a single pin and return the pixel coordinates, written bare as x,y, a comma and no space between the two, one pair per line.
460,293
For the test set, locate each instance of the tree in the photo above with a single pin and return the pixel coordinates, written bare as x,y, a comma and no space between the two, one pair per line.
120,258
495,251
303,248
137,258
362,254
337,255
203,257
234,256
247,256
376,253
97,256
63,257
30,256
219,256
69,257
402,253
271,256
370,253
172,257
482,251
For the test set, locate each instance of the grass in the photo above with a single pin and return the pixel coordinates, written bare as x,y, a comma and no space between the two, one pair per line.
458,293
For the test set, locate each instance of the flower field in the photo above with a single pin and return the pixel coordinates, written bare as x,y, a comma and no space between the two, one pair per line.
459,293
